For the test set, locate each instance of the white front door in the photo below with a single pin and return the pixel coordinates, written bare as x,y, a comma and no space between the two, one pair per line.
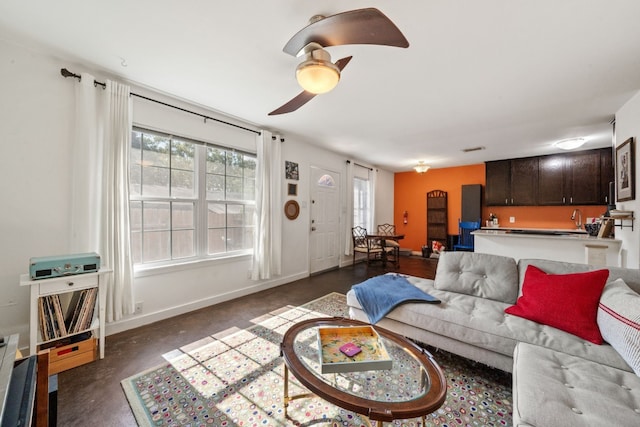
325,220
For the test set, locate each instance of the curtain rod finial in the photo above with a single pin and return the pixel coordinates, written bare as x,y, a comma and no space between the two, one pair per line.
67,73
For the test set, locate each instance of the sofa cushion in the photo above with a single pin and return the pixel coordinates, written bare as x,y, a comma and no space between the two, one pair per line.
619,321
552,388
482,275
565,301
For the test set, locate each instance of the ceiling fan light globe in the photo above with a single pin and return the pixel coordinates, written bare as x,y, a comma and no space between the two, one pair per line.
317,76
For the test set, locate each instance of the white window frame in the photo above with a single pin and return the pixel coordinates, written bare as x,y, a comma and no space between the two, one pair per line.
362,214
201,203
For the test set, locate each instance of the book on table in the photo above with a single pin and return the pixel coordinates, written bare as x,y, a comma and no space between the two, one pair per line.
351,349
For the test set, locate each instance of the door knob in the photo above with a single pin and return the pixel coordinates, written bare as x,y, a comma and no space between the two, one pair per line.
313,229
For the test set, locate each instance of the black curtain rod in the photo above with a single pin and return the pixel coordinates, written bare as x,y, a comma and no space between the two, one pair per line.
362,166
67,73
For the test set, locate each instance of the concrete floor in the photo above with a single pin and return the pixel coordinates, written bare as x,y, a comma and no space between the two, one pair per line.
91,395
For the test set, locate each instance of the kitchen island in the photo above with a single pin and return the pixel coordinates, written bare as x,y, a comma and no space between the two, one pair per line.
554,244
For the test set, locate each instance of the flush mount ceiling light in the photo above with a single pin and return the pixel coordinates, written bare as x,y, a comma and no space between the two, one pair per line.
317,74
421,167
570,144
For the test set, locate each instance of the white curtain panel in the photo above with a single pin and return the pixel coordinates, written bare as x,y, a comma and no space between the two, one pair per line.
348,242
115,238
267,247
100,186
86,176
373,178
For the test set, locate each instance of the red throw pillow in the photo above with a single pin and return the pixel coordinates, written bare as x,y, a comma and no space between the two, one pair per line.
565,301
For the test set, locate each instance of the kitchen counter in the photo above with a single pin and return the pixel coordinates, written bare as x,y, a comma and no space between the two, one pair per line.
537,230
554,244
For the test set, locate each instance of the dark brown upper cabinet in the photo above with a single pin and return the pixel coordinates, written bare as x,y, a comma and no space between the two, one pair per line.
606,175
511,182
583,178
498,183
580,178
524,181
551,180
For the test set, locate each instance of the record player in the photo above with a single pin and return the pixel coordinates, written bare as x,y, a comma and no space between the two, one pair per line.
63,265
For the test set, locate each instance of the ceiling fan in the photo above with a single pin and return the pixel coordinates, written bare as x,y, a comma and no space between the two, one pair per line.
317,74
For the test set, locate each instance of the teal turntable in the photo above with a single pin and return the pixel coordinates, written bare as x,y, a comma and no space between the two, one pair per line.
63,265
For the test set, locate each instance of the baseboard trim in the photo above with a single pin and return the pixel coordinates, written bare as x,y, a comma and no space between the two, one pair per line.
145,319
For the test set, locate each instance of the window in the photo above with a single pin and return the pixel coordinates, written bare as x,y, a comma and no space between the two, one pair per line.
361,203
188,200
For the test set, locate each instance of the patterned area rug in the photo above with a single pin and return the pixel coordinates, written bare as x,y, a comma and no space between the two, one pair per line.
235,379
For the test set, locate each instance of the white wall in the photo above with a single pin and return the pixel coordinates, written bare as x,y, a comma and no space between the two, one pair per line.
36,117
384,197
36,105
627,126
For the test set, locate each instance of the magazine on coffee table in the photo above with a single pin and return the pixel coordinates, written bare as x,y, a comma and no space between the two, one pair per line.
351,349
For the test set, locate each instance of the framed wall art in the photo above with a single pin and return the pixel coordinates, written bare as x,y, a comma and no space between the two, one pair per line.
292,189
291,209
625,171
291,170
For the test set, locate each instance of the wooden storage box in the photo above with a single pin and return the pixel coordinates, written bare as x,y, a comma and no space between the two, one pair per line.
72,355
373,356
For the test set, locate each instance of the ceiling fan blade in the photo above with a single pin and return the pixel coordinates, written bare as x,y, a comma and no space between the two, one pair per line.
361,26
294,104
341,63
305,96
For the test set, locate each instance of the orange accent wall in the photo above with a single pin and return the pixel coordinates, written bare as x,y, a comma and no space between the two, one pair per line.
410,194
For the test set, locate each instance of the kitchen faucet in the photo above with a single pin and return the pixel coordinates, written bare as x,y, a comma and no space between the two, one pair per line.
579,221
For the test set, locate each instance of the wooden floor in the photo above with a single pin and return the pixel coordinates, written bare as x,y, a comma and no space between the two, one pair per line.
91,395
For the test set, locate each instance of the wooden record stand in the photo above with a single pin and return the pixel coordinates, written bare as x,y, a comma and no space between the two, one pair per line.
437,217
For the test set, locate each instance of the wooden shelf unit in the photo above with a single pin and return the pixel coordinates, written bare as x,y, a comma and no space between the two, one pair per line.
437,215
63,285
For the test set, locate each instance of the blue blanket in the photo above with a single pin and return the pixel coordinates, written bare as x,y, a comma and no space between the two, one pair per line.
381,294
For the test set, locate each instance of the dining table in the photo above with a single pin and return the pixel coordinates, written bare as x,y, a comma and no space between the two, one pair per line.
381,239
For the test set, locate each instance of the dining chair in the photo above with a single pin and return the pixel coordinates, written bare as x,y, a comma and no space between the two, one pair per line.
390,230
465,238
364,245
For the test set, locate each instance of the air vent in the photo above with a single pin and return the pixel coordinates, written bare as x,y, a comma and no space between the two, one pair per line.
468,150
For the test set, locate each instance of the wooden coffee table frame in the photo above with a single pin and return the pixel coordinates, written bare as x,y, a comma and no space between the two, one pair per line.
374,410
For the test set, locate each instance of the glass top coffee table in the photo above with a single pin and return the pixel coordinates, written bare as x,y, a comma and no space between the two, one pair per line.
414,386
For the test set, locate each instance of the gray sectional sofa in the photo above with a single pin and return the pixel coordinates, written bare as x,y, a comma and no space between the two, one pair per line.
559,379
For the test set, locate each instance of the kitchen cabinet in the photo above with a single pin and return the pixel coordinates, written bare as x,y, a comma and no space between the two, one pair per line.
579,178
524,181
606,175
570,179
582,172
551,181
498,183
511,182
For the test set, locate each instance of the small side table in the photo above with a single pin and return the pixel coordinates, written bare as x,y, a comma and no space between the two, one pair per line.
61,285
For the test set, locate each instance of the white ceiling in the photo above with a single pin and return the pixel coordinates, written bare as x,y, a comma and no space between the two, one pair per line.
510,75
